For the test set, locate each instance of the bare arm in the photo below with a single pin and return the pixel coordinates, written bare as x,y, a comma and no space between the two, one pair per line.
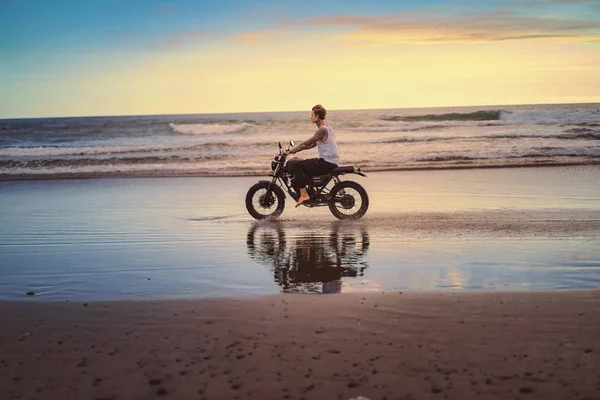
312,142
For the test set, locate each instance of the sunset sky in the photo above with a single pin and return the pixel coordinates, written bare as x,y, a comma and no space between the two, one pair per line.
123,57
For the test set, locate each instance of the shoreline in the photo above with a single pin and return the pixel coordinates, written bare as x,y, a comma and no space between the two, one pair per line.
487,345
127,175
251,297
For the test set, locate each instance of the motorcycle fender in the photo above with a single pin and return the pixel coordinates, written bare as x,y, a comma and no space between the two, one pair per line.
274,187
334,188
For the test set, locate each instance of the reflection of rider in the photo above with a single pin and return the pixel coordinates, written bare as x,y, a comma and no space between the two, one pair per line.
324,139
310,260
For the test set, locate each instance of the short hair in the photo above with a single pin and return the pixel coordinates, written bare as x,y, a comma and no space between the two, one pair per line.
320,111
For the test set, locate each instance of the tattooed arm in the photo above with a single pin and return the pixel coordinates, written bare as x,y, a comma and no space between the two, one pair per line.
310,143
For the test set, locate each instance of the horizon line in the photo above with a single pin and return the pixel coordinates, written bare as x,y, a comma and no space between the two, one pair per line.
291,111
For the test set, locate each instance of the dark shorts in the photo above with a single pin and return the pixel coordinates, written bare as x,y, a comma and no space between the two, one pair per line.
304,169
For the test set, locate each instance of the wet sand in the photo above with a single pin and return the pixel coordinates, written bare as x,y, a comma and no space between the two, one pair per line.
484,345
131,239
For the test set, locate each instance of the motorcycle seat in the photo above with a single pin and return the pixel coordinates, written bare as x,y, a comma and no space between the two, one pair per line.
341,170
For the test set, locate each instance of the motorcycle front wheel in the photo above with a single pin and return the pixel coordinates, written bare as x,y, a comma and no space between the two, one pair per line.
349,200
261,206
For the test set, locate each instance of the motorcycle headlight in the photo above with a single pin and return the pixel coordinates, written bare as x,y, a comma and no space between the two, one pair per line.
273,165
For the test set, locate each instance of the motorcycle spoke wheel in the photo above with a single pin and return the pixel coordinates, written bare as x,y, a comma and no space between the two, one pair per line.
263,204
349,201
260,205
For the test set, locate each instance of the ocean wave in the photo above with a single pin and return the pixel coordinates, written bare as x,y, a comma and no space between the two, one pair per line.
209,129
542,152
473,116
550,117
589,152
58,151
420,139
109,161
402,128
585,132
585,124
571,135
218,170
595,135
215,168
449,158
562,116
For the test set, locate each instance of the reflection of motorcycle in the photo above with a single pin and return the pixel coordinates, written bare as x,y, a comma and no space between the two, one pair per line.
311,262
346,200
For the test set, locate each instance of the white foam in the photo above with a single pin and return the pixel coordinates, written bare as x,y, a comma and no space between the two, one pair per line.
206,168
47,151
208,129
58,151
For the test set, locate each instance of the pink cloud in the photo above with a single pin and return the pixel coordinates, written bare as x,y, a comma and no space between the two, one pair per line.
259,36
473,27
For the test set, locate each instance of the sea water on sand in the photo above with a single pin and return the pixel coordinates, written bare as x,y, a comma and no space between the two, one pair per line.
532,228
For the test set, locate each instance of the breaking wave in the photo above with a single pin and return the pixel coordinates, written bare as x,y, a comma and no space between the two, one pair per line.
58,151
589,118
576,135
109,161
401,128
474,116
551,117
209,129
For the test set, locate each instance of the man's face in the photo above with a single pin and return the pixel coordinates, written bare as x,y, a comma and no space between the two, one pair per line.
313,117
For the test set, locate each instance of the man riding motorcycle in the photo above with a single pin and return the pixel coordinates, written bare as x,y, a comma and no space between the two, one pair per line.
324,139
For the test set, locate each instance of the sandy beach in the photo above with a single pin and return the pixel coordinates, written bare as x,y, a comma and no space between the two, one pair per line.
490,345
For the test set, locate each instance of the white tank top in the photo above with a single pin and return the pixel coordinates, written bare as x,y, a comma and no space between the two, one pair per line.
328,151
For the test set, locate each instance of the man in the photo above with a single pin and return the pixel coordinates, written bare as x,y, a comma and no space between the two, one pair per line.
324,139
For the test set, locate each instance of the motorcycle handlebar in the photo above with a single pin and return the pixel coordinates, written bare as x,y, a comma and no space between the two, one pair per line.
288,149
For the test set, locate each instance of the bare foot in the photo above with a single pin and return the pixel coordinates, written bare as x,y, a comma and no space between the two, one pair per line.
302,199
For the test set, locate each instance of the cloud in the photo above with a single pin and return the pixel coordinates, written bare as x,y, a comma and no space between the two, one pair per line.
557,21
260,36
488,26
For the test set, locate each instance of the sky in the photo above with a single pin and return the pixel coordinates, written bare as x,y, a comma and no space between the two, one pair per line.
134,57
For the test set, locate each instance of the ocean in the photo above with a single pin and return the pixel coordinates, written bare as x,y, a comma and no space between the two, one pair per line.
243,144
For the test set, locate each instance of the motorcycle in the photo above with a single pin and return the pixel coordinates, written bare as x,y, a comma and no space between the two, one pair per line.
345,199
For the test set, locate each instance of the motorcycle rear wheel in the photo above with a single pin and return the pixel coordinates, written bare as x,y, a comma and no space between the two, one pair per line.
260,206
349,200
